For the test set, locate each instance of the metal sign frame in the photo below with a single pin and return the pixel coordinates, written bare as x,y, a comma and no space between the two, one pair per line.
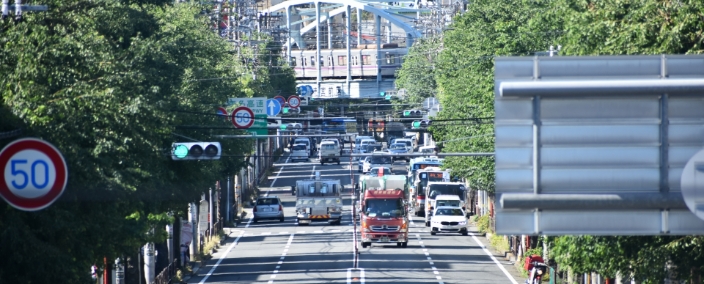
596,145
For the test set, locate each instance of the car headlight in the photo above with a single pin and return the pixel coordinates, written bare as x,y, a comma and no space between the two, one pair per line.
463,223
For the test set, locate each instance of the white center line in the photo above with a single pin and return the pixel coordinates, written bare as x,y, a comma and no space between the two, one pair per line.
283,256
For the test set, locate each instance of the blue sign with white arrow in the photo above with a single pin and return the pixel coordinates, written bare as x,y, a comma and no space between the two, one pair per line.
273,107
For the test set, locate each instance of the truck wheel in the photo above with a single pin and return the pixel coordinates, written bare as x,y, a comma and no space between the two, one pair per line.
433,233
404,244
364,245
322,163
398,244
427,223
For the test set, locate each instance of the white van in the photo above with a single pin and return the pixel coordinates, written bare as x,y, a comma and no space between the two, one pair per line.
363,145
306,142
329,151
428,150
299,152
358,140
407,142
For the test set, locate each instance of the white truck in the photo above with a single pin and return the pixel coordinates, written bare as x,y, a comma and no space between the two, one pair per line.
318,200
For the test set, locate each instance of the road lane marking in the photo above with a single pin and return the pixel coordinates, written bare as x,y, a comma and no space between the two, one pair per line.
513,281
361,275
266,233
430,260
281,261
212,269
277,174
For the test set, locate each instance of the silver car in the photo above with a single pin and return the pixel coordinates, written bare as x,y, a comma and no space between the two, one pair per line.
268,207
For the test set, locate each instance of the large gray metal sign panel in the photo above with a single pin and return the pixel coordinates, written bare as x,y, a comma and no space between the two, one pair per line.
596,145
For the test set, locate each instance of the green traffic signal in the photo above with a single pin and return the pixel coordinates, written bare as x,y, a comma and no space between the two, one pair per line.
416,124
406,112
181,151
285,109
383,94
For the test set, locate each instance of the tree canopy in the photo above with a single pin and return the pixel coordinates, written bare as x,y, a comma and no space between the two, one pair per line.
465,89
108,83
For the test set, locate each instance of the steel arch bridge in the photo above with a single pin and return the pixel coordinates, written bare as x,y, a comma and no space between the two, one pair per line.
307,19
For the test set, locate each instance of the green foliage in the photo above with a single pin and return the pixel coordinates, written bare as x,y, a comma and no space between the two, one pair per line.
417,73
484,223
499,243
108,83
464,74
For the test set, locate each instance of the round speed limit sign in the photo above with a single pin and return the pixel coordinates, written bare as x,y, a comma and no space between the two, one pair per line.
34,174
242,117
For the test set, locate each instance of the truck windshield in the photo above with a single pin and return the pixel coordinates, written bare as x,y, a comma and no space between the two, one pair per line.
384,207
449,189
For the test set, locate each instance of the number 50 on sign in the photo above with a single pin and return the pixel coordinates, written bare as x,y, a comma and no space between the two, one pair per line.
34,174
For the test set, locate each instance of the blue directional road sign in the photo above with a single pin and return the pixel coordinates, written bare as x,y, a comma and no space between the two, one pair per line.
305,90
273,107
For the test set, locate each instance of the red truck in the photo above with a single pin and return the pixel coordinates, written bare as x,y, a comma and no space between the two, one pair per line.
384,218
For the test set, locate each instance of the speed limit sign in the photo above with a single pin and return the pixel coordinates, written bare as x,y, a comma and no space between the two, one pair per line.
242,117
34,174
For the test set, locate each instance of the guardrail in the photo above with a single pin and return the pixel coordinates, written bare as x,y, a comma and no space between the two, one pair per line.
167,274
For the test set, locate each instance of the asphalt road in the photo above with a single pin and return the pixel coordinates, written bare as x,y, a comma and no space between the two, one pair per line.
282,252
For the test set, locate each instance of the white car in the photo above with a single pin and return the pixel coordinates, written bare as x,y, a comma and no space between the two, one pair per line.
299,152
376,161
448,219
360,164
304,141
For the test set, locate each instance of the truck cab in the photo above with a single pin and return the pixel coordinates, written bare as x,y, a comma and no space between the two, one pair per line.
318,200
383,218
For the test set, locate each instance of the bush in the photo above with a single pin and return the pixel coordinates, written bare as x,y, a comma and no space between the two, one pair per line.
499,243
483,223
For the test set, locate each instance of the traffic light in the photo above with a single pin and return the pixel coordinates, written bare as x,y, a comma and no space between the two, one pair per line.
285,110
421,124
412,113
383,94
195,151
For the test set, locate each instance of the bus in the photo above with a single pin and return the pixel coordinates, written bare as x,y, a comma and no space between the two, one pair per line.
341,125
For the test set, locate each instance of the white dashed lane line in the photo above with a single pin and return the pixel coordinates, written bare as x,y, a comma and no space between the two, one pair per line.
281,259
430,260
